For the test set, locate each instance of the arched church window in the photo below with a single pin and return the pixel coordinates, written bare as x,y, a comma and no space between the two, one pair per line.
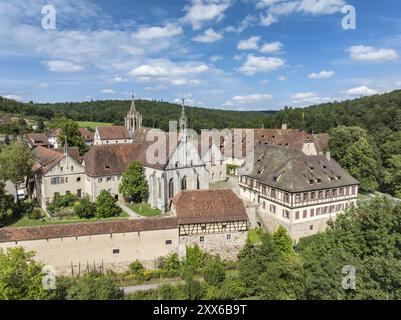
171,188
184,183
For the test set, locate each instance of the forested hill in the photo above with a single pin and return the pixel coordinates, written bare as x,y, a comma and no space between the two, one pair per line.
375,113
155,113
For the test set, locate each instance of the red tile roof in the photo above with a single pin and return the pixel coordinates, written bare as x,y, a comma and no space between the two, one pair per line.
86,134
86,229
112,132
37,139
45,158
203,206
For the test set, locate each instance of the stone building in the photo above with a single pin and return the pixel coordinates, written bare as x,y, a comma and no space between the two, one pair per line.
111,135
297,191
57,171
215,220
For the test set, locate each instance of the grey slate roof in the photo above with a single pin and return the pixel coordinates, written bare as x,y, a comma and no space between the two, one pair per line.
291,170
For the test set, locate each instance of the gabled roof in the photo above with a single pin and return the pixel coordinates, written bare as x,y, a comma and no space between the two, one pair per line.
112,132
37,139
54,132
204,206
291,170
281,137
45,158
86,134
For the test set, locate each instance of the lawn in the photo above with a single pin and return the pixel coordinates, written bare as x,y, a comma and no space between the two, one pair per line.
144,209
92,125
26,222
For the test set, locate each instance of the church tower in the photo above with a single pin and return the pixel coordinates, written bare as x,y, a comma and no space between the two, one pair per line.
133,120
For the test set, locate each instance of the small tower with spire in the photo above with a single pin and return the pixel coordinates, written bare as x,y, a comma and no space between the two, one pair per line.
183,118
133,120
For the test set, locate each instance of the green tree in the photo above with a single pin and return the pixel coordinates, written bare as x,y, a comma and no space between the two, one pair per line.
20,276
214,272
392,176
93,286
15,163
283,279
85,208
134,186
362,165
283,241
6,203
69,132
342,137
106,205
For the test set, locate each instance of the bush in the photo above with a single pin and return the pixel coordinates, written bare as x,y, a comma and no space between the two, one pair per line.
106,206
214,273
136,268
35,214
170,264
85,208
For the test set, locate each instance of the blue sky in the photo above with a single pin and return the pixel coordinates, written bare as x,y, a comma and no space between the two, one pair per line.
231,54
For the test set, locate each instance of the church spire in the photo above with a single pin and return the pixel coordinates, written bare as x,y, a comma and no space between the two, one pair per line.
183,118
133,109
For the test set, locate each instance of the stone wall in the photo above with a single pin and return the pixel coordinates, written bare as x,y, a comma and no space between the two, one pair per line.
218,244
112,251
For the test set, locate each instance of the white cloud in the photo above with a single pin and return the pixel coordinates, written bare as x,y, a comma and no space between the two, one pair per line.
201,11
398,83
371,54
183,82
272,47
208,36
309,98
148,33
147,70
251,99
264,81
63,66
267,20
244,24
119,79
361,91
249,44
303,95
216,58
254,64
318,7
107,91
12,97
282,78
321,75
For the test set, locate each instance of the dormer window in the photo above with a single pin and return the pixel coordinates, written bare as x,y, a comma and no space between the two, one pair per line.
107,167
318,180
310,181
274,137
275,179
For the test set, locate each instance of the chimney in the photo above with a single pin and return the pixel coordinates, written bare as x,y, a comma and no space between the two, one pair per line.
328,155
284,126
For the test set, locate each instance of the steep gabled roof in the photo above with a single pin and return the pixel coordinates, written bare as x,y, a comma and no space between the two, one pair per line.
37,139
112,132
203,206
291,170
45,158
86,134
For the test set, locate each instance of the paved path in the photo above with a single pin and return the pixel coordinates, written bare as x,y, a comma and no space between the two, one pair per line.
130,212
144,287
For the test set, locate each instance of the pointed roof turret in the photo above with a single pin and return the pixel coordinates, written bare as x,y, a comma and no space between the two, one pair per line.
133,108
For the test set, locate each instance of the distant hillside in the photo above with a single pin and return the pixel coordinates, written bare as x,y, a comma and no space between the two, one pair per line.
375,113
155,113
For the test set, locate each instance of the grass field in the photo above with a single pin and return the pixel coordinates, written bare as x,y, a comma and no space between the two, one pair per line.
144,209
92,125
